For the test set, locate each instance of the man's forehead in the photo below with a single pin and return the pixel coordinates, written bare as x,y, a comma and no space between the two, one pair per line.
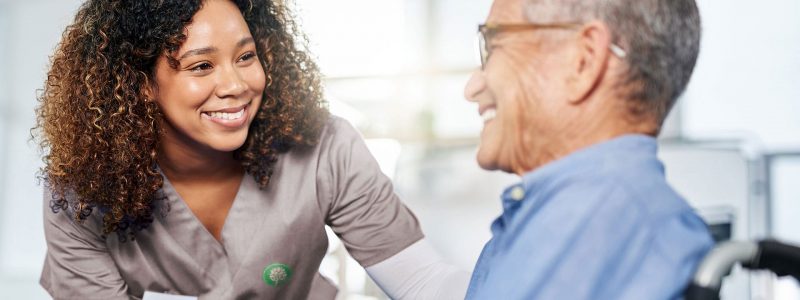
507,11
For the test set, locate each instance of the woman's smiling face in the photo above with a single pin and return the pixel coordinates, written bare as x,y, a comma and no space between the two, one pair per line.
211,98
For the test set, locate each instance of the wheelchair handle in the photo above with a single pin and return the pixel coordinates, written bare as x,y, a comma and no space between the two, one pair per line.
782,259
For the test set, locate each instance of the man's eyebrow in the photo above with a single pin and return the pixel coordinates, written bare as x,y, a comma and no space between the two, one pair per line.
198,51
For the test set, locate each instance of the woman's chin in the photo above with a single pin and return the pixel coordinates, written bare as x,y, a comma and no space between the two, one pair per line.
228,147
228,144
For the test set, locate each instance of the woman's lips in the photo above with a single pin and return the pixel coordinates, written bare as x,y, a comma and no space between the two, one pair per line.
234,117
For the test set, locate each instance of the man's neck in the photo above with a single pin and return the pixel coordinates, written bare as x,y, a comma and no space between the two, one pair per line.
582,136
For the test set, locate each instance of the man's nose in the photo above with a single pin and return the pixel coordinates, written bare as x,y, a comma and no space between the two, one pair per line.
475,86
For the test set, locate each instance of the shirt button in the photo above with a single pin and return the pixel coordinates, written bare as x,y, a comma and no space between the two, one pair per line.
517,193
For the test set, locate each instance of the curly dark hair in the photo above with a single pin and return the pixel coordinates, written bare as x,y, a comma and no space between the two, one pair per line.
99,133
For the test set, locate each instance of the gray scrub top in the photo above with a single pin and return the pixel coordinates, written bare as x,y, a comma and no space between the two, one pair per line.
336,183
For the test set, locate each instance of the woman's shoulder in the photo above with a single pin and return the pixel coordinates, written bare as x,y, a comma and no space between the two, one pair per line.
338,143
63,210
338,131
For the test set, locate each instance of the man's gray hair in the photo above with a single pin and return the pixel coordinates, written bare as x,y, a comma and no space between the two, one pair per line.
661,38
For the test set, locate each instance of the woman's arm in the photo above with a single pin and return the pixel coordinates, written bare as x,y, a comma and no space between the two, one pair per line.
419,272
77,265
381,233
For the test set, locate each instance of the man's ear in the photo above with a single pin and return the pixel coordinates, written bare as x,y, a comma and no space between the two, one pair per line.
589,61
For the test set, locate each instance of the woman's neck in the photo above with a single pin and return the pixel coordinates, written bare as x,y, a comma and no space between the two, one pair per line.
182,161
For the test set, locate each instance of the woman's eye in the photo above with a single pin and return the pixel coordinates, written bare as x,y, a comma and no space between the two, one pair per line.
247,56
201,67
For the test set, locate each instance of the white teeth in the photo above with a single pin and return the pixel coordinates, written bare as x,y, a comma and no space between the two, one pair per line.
488,115
226,116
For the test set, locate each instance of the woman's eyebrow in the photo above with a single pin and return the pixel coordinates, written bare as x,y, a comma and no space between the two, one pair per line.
245,41
198,51
210,49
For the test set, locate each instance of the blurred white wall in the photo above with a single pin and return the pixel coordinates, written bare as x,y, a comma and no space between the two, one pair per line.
30,32
402,64
747,80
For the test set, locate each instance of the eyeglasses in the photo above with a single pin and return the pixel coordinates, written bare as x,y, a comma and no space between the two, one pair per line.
487,31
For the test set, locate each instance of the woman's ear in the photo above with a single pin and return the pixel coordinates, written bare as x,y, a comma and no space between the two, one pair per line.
149,90
589,61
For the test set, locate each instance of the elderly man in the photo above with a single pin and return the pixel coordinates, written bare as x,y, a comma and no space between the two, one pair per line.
572,94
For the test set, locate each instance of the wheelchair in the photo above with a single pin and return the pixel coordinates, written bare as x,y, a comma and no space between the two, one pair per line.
779,258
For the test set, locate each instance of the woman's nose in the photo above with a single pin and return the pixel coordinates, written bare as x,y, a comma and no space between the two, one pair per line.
231,83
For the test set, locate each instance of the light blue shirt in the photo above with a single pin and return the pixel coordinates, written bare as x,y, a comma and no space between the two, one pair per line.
601,223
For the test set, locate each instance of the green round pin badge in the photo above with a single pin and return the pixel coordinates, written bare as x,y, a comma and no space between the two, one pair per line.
277,274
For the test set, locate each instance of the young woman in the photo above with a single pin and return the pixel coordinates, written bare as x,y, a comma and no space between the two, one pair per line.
188,151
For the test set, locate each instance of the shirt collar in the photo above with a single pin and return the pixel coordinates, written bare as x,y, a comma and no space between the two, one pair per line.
621,148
